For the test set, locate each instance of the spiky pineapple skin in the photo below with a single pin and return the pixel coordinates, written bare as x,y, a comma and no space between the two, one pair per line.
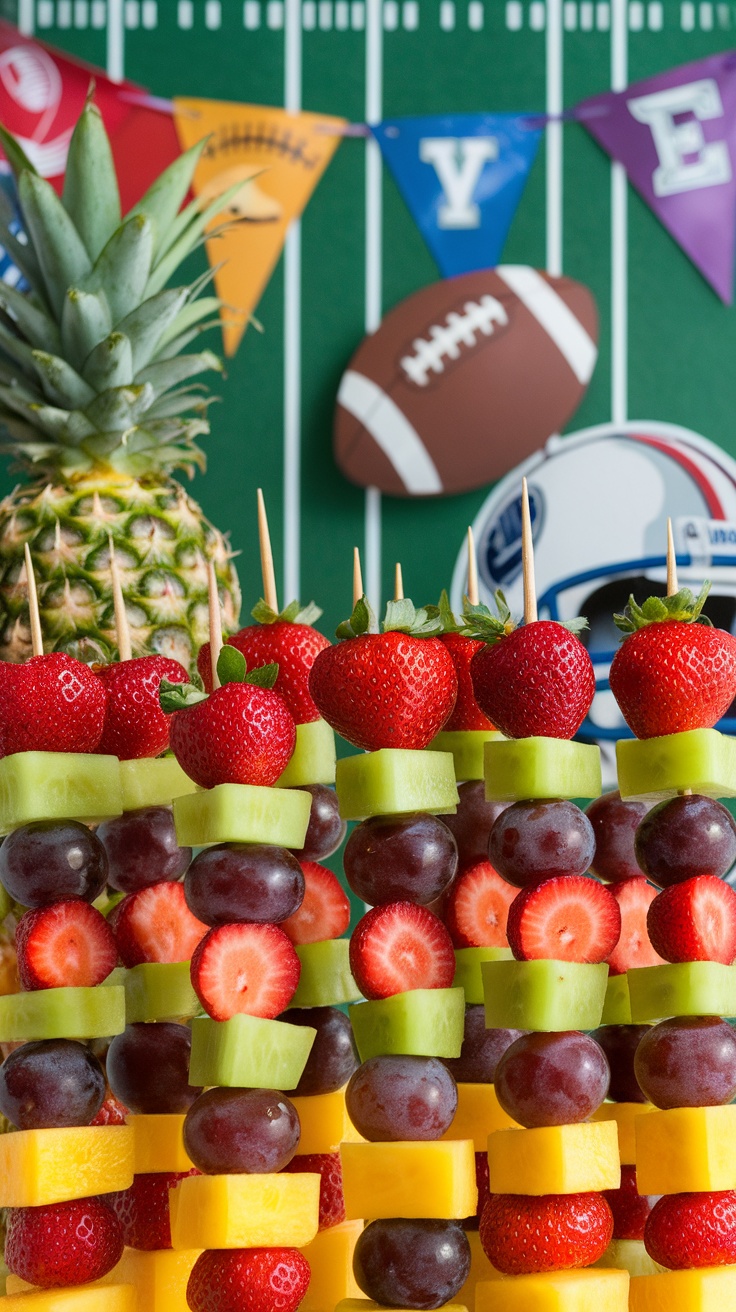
162,544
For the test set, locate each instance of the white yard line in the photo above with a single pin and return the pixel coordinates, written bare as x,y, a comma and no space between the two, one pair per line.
619,229
26,17
373,264
115,40
554,97
292,329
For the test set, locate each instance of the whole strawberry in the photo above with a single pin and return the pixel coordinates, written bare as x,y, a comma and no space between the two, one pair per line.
522,1235
691,1230
467,713
52,703
535,680
390,689
248,1280
289,641
242,733
135,724
673,671
63,1243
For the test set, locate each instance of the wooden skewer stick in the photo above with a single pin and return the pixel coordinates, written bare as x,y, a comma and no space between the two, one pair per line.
122,628
473,594
33,611
398,583
357,578
264,539
527,557
671,562
215,616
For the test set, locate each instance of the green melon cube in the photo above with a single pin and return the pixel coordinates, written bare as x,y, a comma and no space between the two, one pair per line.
467,969
153,782
422,1023
313,761
466,746
690,988
396,781
543,995
242,813
617,1006
159,991
521,768
326,979
629,1255
76,1013
247,1052
58,786
702,760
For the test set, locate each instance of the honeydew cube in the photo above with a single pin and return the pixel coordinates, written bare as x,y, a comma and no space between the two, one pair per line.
330,1257
521,768
617,1004
555,1159
313,761
242,813
480,1269
58,786
690,988
686,1150
396,781
367,1305
624,1114
478,1114
248,1052
703,760
245,1211
75,1298
585,1290
38,1167
420,1022
409,1179
704,1289
159,1277
153,782
158,1144
543,995
157,990
326,979
629,1255
466,747
324,1122
74,1013
468,973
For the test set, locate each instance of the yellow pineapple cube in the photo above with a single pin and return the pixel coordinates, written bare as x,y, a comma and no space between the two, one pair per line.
624,1114
14,1284
409,1179
705,1289
245,1211
158,1144
75,1298
555,1159
480,1269
324,1122
686,1150
478,1114
159,1278
330,1256
51,1166
585,1290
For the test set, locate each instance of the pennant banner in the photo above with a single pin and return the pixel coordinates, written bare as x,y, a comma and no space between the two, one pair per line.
675,135
279,158
462,177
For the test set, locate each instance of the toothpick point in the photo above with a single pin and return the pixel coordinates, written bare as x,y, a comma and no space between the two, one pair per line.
473,593
33,611
357,577
527,557
264,541
215,621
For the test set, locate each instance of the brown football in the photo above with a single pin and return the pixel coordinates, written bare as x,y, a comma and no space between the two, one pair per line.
463,380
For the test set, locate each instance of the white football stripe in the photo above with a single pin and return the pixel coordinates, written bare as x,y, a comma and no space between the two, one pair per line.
554,315
391,430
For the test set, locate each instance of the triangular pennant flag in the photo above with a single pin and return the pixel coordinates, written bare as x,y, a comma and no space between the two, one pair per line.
278,158
675,135
462,177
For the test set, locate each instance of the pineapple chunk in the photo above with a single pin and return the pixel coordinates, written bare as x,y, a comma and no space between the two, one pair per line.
324,1122
39,1167
480,1269
76,1298
705,1289
478,1114
158,1144
686,1150
153,781
587,1290
409,1179
555,1159
624,1114
330,1256
58,786
245,1211
159,1278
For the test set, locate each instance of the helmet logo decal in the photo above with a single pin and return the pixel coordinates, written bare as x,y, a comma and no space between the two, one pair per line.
500,549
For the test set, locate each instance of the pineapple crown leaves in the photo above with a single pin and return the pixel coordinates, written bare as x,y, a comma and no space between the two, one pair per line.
480,622
294,613
401,617
231,668
683,606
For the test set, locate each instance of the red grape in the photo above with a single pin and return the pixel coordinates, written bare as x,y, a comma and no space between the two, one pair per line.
408,858
49,1084
683,837
615,820
239,882
148,1068
472,822
241,1131
53,861
142,849
552,1079
689,1061
333,1057
325,830
397,1098
619,1042
482,1049
412,1264
533,841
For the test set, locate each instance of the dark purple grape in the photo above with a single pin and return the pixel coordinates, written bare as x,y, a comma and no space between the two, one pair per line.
244,882
408,858
689,1061
684,837
482,1049
50,1084
148,1068
552,1079
412,1264
333,1057
52,861
619,1042
394,1098
532,841
615,821
472,822
241,1131
325,830
142,849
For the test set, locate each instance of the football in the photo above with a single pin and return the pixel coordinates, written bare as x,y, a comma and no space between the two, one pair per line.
463,380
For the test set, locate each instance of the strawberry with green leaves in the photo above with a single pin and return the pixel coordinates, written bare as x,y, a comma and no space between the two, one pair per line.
467,713
396,688
673,671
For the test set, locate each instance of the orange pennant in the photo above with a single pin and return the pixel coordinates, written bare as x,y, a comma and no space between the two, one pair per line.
278,158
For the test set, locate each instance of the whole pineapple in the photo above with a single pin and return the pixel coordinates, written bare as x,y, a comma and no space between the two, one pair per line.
97,404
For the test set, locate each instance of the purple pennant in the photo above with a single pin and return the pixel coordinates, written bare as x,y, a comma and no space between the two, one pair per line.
675,135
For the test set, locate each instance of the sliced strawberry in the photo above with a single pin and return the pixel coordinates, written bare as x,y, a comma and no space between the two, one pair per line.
568,918
401,946
325,909
630,1208
634,897
112,1112
143,1209
522,1235
692,1230
245,968
695,921
155,924
64,944
331,1196
477,908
